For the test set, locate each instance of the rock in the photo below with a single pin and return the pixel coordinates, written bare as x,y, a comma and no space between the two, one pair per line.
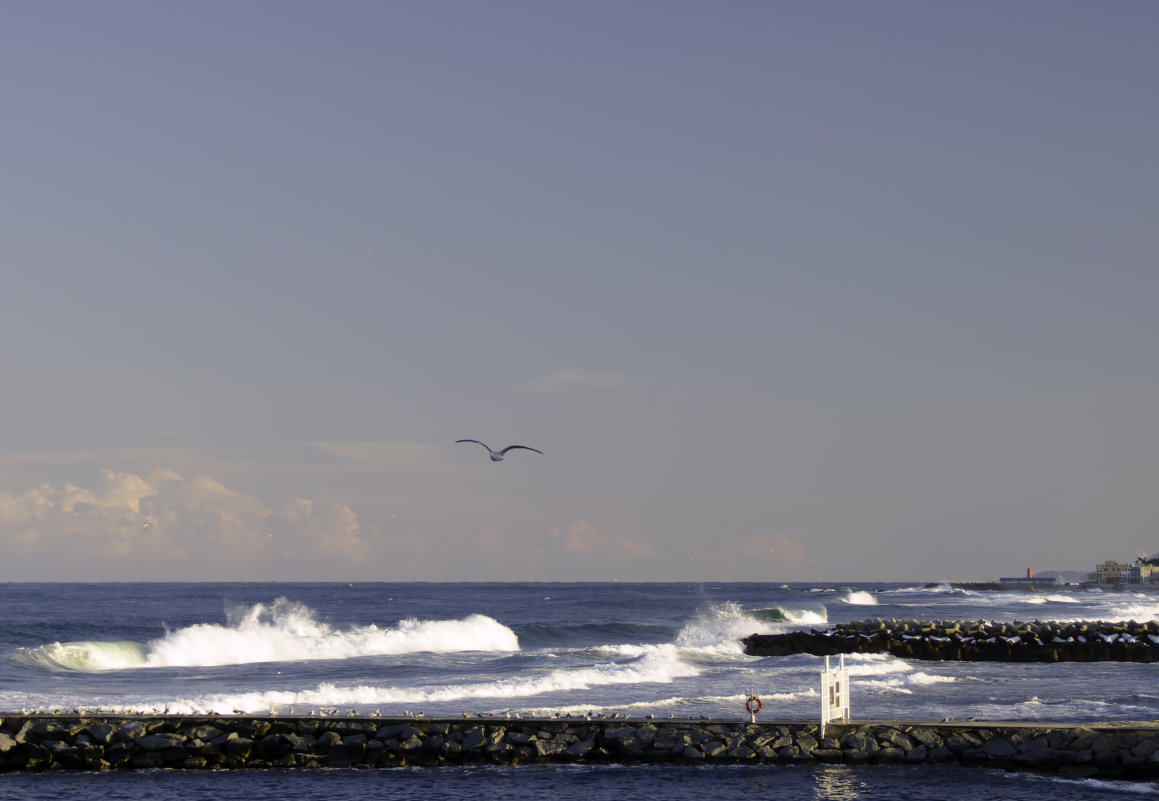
832,755
713,749
1042,758
940,755
102,733
158,742
579,749
693,754
399,731
1029,642
919,754
326,742
39,744
889,754
741,753
239,747
548,748
346,754
806,743
857,741
412,745
927,737
998,749
474,738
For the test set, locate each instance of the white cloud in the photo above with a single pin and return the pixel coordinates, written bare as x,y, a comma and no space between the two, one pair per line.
575,379
163,518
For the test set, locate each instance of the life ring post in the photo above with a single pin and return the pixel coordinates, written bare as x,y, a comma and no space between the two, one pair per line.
753,705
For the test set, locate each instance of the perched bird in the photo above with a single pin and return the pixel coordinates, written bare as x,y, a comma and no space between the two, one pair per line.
497,456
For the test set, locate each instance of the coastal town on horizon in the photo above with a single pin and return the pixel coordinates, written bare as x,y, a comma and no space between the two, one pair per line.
1144,570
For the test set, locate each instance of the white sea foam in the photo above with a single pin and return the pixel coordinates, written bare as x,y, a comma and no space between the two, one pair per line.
882,685
1111,608
929,678
806,617
942,588
719,628
860,598
1109,786
282,632
674,703
1041,599
1136,611
659,664
876,668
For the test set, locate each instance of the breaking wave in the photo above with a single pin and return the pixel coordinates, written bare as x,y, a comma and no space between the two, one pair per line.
284,631
655,664
721,627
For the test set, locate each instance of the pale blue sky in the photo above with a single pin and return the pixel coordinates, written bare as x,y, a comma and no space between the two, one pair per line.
784,291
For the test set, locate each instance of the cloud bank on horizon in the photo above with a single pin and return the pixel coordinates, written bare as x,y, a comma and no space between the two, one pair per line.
163,526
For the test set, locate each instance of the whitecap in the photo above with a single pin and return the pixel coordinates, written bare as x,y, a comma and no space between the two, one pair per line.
658,664
282,632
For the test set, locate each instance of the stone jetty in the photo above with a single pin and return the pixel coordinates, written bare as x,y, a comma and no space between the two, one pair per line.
62,742
1037,641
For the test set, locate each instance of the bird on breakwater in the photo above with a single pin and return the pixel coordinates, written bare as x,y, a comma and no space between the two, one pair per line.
497,456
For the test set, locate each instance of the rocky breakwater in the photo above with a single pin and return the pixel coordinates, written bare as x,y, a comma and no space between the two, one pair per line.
1037,641
37,743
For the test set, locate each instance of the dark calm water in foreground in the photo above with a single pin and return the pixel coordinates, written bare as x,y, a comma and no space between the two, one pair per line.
534,783
537,649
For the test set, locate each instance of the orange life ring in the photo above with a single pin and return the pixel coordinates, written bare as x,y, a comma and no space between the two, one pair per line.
753,705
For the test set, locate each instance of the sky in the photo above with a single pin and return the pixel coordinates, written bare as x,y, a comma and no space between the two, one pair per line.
783,291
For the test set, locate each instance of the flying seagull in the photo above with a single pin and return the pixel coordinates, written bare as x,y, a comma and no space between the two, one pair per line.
497,456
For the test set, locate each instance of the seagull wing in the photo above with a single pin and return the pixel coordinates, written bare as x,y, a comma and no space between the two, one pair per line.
477,442
522,447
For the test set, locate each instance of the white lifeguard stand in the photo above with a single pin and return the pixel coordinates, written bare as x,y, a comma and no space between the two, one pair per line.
834,694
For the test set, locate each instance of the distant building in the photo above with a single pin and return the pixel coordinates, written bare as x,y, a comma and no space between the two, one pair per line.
1138,573
1109,572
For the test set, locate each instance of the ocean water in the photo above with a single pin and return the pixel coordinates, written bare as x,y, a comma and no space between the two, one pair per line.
534,650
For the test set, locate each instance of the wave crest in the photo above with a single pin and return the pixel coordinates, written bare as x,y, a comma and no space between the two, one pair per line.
653,664
284,631
721,627
86,656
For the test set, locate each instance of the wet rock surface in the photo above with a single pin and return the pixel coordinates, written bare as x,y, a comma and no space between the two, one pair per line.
34,743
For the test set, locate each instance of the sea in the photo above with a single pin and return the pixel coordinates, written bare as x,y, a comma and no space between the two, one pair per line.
541,649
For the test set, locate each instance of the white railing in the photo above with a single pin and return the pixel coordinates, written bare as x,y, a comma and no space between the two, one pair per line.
834,694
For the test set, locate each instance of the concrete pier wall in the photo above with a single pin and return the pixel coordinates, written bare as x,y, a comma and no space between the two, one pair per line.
38,743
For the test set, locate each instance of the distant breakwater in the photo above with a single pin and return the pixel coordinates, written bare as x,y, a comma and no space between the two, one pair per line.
41,743
1037,641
